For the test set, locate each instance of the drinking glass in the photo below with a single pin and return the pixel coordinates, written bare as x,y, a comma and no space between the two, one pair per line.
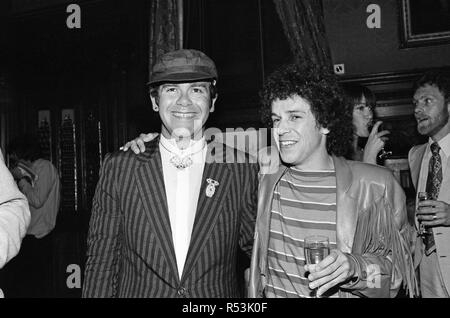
423,196
384,154
316,248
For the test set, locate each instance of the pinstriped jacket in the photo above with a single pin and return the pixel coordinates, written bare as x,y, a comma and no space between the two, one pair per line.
130,249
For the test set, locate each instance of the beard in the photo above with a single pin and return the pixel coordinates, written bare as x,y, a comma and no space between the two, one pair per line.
431,128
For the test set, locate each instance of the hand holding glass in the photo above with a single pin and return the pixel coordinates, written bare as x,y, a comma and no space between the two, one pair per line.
423,196
383,154
316,248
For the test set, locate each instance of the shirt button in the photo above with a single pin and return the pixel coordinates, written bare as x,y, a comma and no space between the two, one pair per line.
182,291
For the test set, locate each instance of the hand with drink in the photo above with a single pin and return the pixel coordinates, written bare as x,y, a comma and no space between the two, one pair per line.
431,213
375,144
326,270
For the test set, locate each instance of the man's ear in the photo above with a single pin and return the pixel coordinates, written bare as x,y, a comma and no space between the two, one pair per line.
213,102
155,105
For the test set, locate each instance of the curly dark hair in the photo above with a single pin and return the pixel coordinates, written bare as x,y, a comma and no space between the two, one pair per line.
319,87
438,78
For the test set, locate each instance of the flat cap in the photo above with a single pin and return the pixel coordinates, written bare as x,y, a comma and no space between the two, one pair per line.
183,65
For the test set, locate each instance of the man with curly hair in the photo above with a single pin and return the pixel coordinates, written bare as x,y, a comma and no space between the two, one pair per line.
359,207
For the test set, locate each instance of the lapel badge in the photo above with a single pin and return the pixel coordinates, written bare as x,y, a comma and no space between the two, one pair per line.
211,188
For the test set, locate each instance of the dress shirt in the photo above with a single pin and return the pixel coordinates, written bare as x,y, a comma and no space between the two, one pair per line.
444,143
432,280
182,191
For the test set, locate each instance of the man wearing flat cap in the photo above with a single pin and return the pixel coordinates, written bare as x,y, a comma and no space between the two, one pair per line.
169,221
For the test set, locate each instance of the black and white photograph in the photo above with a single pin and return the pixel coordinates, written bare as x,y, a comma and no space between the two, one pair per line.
219,153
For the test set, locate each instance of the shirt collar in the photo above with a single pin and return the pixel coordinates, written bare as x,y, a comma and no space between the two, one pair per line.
171,145
444,143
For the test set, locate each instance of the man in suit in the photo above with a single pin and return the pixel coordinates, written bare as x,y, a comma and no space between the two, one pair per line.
14,216
430,171
168,222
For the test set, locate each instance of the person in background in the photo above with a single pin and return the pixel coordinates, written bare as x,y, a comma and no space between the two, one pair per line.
38,179
367,140
359,207
430,173
14,218
169,222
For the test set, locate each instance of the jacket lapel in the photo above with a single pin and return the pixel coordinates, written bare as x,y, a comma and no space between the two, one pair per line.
208,207
415,159
346,214
151,187
267,186
415,163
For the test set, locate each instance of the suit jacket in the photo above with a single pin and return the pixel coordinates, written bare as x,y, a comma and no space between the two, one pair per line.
441,233
371,225
130,248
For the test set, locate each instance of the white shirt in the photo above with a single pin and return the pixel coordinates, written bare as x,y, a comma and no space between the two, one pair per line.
182,192
444,152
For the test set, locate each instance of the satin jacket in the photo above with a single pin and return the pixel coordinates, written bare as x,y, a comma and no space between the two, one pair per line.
371,225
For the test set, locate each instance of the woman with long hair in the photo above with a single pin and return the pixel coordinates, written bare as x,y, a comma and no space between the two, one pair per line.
368,142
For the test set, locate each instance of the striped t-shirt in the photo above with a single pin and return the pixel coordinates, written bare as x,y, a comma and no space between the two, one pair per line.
304,204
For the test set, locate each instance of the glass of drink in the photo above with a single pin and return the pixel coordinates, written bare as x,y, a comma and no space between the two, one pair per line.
385,151
422,196
316,248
